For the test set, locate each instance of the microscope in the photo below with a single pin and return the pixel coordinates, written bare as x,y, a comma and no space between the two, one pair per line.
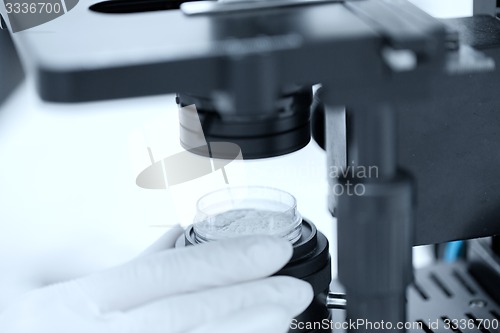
404,105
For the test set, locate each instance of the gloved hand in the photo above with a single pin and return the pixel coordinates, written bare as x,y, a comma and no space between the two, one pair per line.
220,287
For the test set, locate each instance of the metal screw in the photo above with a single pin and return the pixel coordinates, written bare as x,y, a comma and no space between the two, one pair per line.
336,301
478,303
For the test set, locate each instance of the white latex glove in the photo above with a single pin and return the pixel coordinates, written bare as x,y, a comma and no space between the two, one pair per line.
220,287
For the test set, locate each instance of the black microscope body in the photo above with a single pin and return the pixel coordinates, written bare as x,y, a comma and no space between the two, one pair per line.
404,94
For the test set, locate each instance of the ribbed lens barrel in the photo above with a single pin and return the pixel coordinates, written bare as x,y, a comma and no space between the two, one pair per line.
264,133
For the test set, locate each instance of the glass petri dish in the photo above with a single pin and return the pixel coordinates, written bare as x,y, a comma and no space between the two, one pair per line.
242,211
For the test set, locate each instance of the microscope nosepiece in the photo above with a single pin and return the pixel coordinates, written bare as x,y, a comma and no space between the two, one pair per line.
280,131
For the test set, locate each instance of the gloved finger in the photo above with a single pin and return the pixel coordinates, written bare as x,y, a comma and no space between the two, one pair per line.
185,312
269,318
166,241
188,269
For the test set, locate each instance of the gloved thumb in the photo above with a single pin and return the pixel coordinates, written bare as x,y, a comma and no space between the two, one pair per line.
165,242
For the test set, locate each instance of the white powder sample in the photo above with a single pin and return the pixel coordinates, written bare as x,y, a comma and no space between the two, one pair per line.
240,222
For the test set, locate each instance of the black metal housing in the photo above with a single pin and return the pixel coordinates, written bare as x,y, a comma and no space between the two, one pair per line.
282,130
449,144
310,262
